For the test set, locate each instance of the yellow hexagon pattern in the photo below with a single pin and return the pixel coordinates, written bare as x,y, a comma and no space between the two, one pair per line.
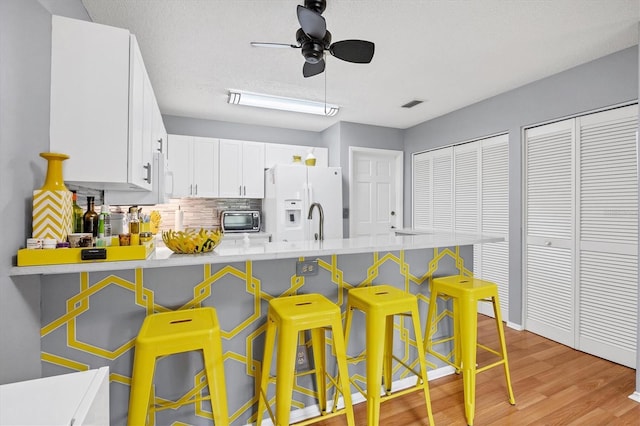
142,296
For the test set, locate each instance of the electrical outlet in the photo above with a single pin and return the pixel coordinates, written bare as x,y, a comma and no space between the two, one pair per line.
306,267
302,358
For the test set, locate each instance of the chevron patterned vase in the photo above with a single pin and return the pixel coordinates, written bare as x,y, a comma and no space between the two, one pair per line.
52,204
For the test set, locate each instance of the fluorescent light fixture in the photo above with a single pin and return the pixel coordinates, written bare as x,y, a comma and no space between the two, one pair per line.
239,97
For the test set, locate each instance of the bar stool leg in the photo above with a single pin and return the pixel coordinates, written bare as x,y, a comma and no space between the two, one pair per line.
375,353
415,317
339,346
214,368
431,312
142,380
469,336
269,344
319,363
286,363
503,347
388,354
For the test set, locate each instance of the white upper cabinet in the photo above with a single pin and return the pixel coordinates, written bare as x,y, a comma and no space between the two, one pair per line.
102,106
241,169
194,165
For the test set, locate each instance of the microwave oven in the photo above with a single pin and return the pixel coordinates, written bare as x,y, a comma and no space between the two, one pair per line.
241,221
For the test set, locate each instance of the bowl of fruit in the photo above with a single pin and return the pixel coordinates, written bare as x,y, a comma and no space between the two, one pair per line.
191,241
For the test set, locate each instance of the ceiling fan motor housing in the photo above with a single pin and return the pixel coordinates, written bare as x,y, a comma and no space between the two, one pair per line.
316,5
312,49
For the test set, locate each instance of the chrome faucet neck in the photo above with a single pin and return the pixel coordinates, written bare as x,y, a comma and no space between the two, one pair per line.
320,234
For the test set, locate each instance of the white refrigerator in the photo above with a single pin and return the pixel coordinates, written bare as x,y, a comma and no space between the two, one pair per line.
289,192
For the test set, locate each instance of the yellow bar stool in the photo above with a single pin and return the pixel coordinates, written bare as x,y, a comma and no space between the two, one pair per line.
466,292
380,304
174,332
287,317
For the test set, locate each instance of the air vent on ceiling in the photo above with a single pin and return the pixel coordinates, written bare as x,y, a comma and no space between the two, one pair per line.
412,103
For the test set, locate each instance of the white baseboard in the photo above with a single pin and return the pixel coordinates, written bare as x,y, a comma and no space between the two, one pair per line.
635,396
513,325
356,398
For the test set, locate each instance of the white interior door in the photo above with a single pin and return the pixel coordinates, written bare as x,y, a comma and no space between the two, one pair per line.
375,191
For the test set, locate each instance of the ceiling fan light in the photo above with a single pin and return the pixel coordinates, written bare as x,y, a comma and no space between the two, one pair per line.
259,100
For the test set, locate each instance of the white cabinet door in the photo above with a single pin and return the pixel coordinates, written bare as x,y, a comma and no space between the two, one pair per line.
159,139
230,171
205,167
98,107
241,170
180,161
140,113
89,115
253,170
194,164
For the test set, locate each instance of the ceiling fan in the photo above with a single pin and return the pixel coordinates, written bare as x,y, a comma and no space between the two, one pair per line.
314,40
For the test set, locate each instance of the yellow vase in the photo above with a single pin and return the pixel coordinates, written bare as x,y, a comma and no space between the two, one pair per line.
52,204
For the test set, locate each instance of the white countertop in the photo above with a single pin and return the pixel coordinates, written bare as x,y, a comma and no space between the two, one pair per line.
68,399
162,257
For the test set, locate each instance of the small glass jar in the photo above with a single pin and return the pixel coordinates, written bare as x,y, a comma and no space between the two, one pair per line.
145,237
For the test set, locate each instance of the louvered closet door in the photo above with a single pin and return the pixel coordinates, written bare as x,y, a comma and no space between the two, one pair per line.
549,260
466,187
432,189
422,191
608,235
443,189
491,261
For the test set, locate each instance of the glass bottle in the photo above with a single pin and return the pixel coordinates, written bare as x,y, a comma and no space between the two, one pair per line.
78,213
91,218
105,218
134,225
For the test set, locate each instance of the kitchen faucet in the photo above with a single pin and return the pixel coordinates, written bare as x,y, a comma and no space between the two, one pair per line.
320,234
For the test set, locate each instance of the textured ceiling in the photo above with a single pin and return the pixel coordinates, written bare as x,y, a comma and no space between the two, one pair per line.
447,53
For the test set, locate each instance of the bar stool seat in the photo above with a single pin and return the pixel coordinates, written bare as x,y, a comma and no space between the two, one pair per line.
286,318
380,304
174,332
466,292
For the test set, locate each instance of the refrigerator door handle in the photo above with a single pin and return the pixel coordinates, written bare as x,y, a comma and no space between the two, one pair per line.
310,192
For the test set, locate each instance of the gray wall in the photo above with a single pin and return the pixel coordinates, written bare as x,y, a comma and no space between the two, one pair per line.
25,46
25,76
606,81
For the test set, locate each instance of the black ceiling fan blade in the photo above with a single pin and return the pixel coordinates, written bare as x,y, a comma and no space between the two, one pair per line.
276,45
309,70
312,23
357,51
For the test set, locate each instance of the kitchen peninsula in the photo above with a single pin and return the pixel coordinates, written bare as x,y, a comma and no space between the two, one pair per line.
92,312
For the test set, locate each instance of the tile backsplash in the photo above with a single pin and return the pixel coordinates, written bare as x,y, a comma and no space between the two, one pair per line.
200,212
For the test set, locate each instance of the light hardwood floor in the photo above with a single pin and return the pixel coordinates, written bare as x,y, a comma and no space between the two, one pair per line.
553,385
